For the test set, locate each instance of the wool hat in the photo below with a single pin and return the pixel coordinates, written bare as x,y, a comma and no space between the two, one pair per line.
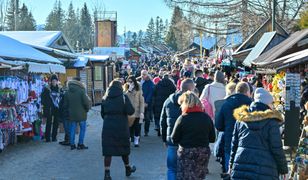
187,74
54,77
263,96
219,77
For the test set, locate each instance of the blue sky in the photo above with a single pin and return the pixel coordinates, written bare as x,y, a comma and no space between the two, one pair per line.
132,14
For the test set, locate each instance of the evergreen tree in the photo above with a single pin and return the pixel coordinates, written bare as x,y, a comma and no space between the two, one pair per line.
26,21
161,30
166,27
140,37
55,19
150,33
134,42
70,29
171,40
157,30
86,39
12,15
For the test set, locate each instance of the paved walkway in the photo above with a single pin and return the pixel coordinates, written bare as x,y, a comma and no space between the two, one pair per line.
50,161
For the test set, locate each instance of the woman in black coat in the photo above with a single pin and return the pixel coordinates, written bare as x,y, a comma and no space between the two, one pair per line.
115,135
256,151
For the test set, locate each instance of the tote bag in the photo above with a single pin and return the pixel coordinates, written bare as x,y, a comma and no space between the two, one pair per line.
207,105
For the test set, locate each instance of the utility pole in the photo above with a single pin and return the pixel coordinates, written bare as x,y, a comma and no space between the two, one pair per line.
274,15
200,36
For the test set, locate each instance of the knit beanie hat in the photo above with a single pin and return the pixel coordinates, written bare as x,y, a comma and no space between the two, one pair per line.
54,77
263,96
219,77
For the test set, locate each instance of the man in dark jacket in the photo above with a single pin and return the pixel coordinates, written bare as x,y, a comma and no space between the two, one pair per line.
161,92
147,89
225,120
78,104
200,81
170,113
50,101
257,151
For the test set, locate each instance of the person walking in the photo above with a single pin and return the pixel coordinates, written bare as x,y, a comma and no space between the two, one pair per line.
64,117
256,151
193,131
200,81
147,89
134,93
161,92
50,100
115,109
78,104
170,112
213,92
225,120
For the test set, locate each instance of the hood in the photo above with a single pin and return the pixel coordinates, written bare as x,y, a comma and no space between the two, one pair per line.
218,85
200,81
165,82
175,97
74,86
236,99
246,114
113,92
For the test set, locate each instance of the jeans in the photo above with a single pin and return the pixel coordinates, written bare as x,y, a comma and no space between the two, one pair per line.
135,129
227,159
147,119
157,123
66,125
82,132
172,162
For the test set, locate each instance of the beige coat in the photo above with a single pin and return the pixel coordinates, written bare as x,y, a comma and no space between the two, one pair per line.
137,101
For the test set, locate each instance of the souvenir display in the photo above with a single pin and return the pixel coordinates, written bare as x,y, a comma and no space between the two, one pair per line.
19,107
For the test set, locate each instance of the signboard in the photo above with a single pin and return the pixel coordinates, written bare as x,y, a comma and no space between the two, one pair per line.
292,109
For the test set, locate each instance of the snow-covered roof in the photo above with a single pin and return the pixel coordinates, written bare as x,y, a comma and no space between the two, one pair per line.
38,38
41,39
119,51
12,49
84,59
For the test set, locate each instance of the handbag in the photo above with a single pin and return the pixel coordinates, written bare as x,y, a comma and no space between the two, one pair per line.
131,119
207,105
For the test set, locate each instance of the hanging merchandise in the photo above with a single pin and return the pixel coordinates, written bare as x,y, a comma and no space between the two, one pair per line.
20,107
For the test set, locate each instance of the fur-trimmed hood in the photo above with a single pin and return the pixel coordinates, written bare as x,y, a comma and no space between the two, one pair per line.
73,85
243,114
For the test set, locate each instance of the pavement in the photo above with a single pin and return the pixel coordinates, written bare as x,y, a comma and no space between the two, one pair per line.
51,161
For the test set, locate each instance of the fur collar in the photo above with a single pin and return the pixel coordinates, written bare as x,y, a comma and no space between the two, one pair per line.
242,114
78,83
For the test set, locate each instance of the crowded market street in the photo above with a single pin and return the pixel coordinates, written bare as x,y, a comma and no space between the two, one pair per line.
45,161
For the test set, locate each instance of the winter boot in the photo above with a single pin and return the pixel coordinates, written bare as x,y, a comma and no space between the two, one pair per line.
136,141
129,170
107,175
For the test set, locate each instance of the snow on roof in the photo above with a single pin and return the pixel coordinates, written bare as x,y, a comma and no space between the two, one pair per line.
119,51
83,60
38,38
13,49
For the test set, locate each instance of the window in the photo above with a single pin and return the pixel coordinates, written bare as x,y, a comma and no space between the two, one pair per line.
98,73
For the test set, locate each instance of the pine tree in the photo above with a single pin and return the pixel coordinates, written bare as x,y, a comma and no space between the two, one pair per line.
26,21
55,19
166,28
86,29
134,42
161,30
171,40
70,29
140,37
150,33
12,15
157,30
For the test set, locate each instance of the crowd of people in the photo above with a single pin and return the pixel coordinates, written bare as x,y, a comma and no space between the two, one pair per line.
191,105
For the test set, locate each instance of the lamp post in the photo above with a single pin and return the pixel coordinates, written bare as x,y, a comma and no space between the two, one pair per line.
274,15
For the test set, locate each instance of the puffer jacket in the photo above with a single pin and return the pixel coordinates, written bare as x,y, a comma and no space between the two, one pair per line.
161,92
225,120
137,101
257,152
170,113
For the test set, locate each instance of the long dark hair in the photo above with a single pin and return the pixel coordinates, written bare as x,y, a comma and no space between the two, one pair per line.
133,78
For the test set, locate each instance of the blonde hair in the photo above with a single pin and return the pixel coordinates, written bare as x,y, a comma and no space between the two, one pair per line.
189,99
230,88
